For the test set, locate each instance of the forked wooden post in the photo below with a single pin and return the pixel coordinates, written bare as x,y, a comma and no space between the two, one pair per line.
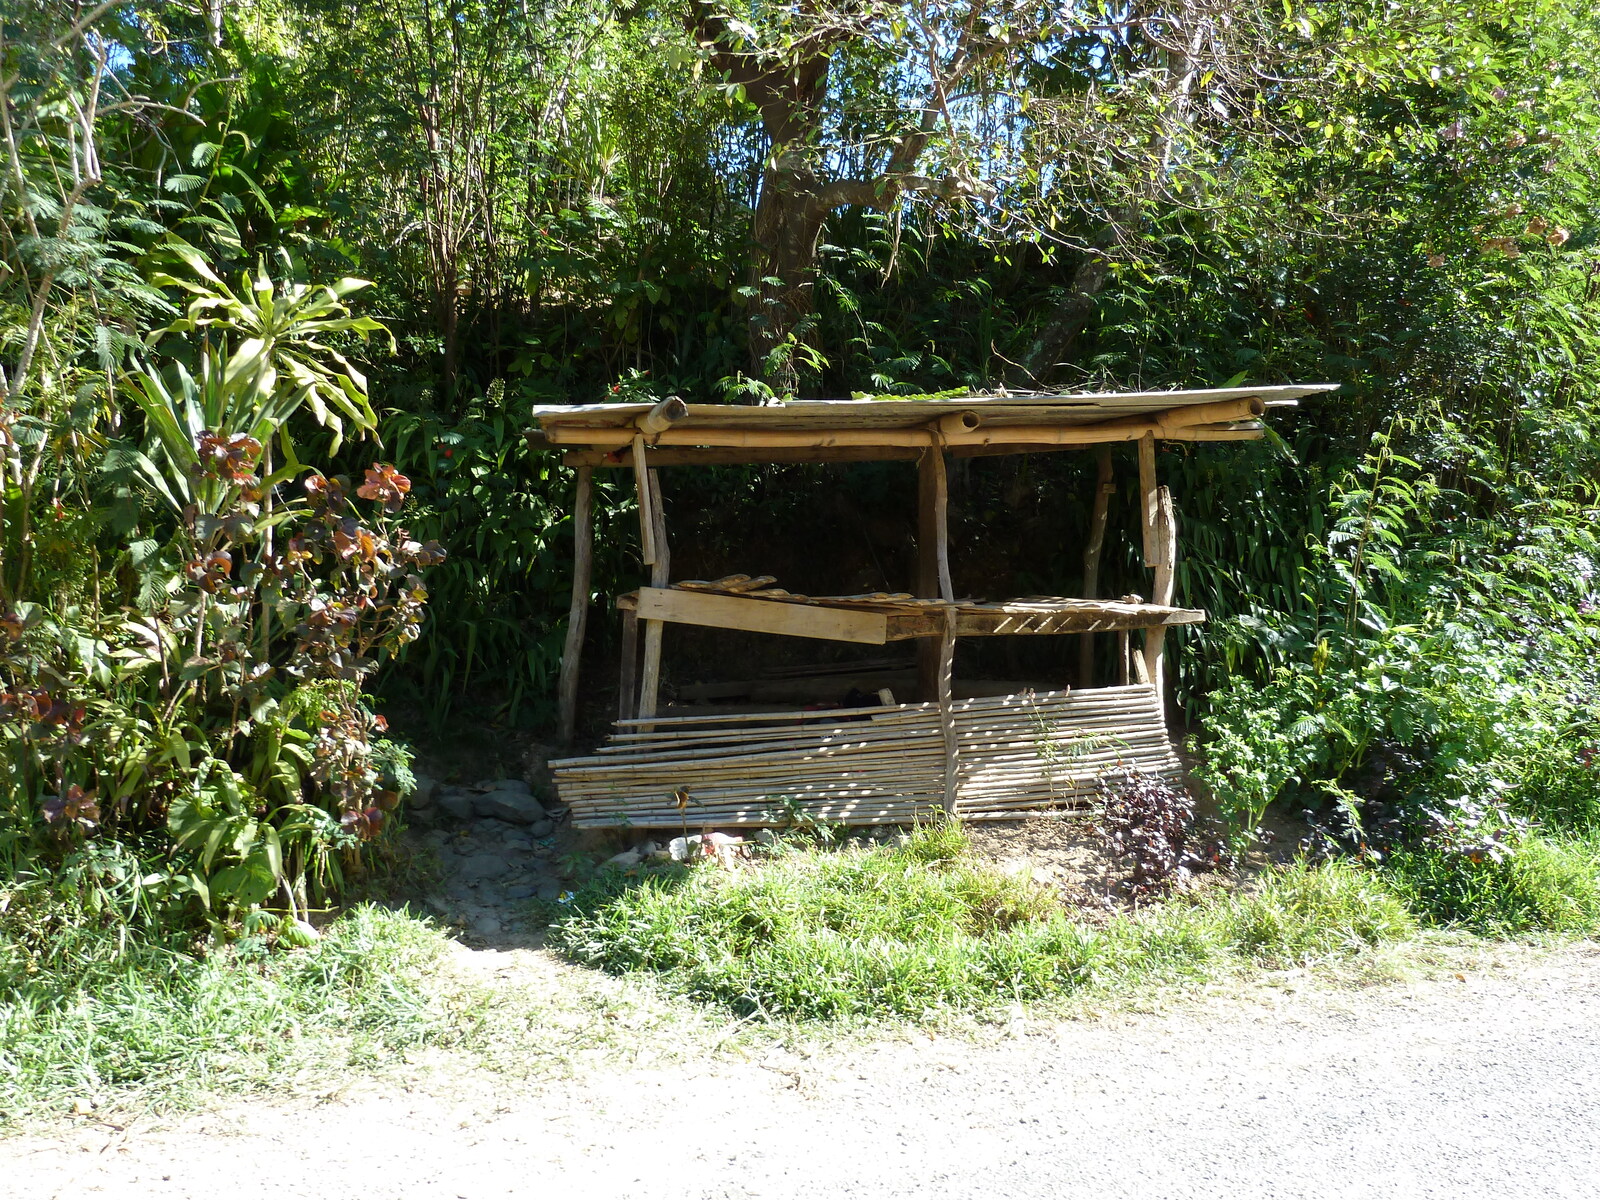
1148,500
578,613
1105,487
933,558
650,675
641,486
1165,567
1160,549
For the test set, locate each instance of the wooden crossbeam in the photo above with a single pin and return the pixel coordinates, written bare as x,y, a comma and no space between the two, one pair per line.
762,616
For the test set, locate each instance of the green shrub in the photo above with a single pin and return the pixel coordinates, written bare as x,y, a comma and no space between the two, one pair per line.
1543,885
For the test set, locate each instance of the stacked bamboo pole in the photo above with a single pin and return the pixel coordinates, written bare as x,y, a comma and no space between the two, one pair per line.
1013,754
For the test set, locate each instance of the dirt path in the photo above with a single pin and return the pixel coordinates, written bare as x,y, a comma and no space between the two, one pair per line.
1487,1086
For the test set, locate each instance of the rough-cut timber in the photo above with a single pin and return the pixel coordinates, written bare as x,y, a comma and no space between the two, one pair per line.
1017,754
891,617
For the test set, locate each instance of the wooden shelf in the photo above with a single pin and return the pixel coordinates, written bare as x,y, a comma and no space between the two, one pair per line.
880,618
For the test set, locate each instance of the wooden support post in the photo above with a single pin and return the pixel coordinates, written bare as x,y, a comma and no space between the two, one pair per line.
1147,496
641,484
628,684
947,716
1105,488
1160,534
650,675
578,612
933,557
1164,566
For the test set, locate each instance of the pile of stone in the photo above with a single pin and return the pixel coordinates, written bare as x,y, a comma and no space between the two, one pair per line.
497,849
509,800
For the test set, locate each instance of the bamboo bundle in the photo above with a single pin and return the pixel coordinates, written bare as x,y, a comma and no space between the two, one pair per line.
1019,753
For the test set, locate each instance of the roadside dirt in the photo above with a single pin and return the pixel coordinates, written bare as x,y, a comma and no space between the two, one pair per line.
1481,1079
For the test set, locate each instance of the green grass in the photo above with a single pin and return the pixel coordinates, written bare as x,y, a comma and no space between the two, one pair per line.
910,930
95,1010
1548,884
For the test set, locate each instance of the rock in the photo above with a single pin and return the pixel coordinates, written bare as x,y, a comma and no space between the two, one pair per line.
506,804
628,858
520,891
483,865
646,849
550,889
766,837
542,829
492,829
517,786
426,792
485,925
456,804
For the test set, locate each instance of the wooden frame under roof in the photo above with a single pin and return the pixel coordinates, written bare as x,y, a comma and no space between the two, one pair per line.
1007,768
673,433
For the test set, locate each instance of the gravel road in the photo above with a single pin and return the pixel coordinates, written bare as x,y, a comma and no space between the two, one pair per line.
1482,1086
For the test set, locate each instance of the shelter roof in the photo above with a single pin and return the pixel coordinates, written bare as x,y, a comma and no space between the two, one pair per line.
890,426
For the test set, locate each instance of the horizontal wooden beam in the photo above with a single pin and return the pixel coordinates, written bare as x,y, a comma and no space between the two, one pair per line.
1003,624
951,432
762,616
707,456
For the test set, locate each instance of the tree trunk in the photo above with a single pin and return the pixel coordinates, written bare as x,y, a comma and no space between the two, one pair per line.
788,224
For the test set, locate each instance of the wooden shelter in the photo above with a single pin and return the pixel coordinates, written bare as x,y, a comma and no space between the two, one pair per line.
994,756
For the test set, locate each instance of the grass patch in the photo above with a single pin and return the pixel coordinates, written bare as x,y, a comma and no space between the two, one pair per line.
909,930
106,1013
1547,884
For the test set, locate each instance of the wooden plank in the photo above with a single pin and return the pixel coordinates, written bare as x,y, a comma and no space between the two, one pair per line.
763,616
650,675
578,610
906,626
